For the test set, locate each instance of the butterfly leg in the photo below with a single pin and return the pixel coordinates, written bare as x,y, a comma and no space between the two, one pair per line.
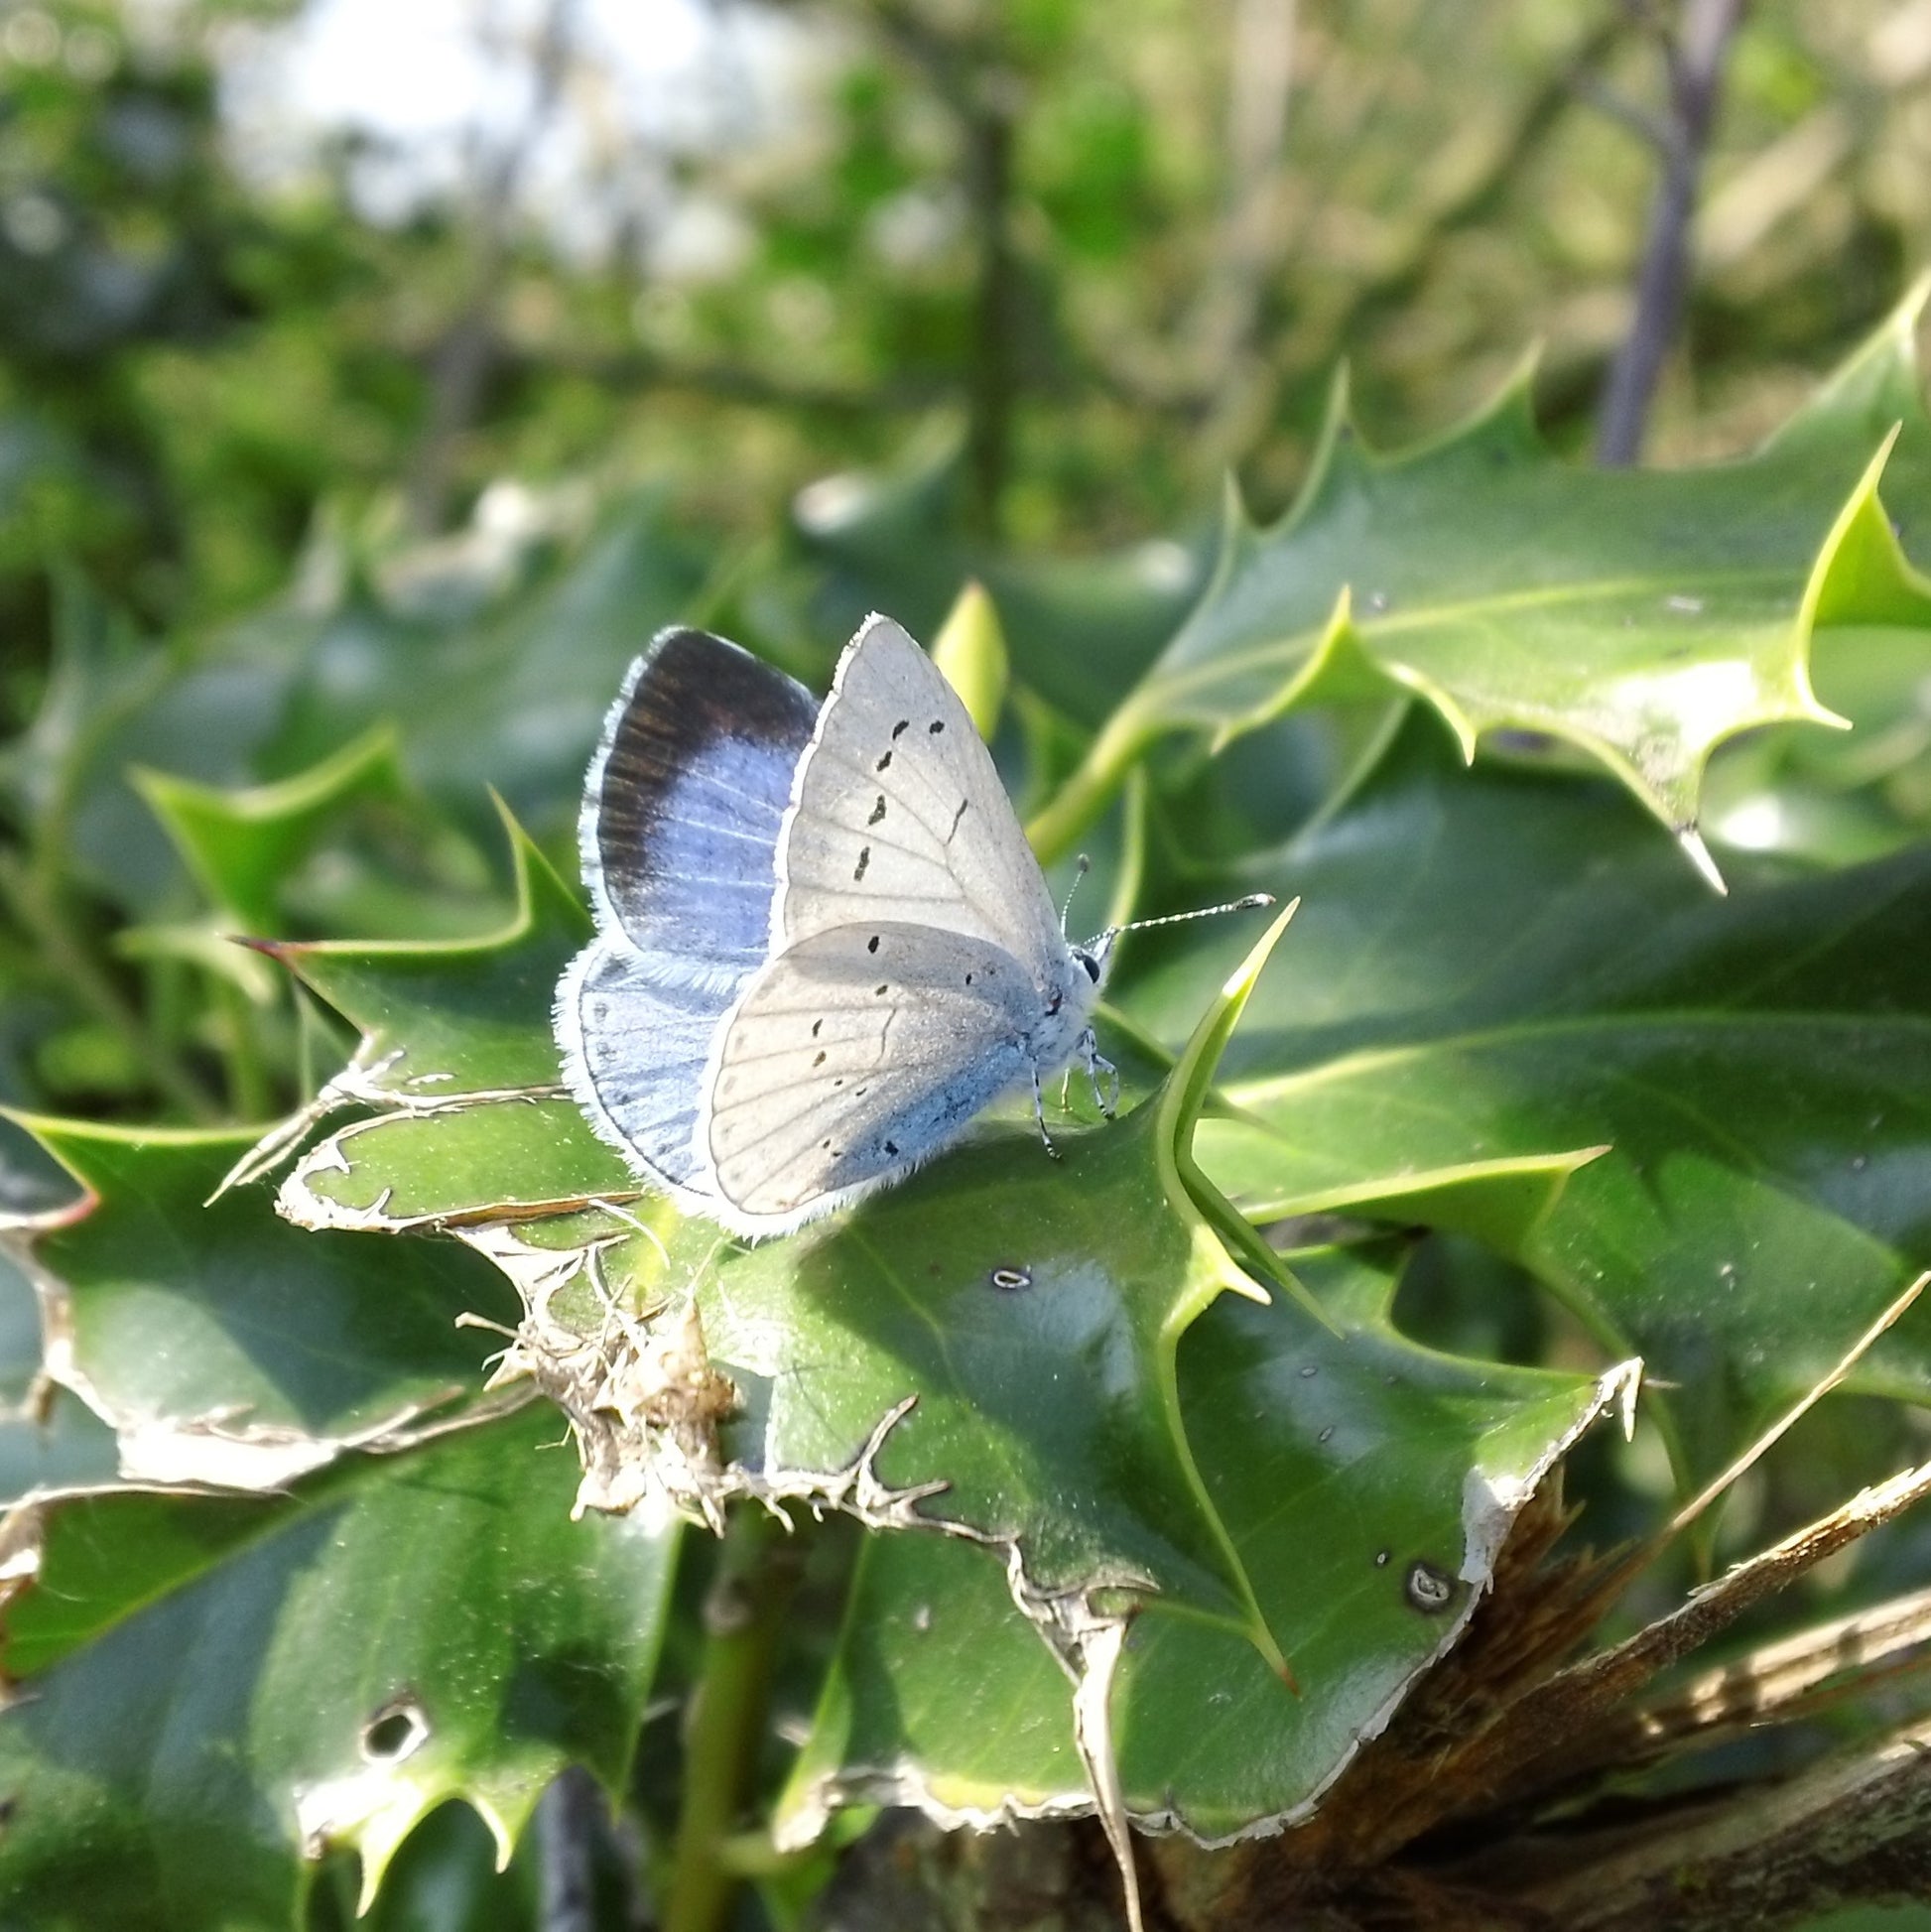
1039,1115
1095,1060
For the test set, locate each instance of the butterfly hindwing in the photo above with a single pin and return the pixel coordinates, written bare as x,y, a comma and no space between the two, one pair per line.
635,1044
855,1054
898,814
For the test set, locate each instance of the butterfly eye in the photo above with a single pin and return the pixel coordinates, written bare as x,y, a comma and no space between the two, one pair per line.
1091,966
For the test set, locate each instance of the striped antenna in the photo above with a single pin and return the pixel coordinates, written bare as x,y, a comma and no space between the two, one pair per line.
1247,904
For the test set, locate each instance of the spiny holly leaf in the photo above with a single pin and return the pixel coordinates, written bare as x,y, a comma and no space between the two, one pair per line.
1032,1308
1642,616
221,1691
911,1289
457,1059
222,1345
241,845
995,1349
465,1014
1366,1483
1498,964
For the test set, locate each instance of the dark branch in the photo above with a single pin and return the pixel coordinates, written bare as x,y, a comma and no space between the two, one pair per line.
1696,59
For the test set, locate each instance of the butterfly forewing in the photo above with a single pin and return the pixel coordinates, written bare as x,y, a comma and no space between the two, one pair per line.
856,1052
686,800
681,812
898,814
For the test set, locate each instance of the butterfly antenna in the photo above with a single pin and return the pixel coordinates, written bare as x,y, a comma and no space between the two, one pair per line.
1084,866
1247,904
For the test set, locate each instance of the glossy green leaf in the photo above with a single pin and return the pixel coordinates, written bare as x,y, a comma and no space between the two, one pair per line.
1135,1264
1366,1483
457,1060
223,1345
1642,616
223,1690
1491,966
468,1015
996,1348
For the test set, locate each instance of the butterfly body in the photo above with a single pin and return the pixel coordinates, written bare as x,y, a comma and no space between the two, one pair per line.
824,944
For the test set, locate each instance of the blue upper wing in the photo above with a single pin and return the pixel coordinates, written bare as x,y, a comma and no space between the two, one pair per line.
679,836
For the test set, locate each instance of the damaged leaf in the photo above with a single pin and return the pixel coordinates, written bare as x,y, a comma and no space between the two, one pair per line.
223,1690
221,1345
995,1349
1365,1484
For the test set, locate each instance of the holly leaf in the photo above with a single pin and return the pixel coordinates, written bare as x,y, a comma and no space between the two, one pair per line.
1500,964
1366,1482
220,1343
1639,616
991,1354
241,845
220,1692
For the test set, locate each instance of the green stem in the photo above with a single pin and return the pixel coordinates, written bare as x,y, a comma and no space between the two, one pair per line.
1090,789
743,1617
250,1092
40,912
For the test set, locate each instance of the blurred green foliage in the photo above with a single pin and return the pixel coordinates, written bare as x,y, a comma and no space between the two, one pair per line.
320,522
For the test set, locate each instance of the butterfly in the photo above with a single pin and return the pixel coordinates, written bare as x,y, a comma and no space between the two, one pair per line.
823,943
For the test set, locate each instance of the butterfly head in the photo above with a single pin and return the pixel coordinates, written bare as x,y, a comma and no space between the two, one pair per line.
1095,955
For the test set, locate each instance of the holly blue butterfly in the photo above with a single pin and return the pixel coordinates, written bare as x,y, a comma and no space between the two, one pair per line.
823,943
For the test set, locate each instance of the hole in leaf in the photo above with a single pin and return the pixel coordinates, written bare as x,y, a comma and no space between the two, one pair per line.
397,1732
1428,1588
